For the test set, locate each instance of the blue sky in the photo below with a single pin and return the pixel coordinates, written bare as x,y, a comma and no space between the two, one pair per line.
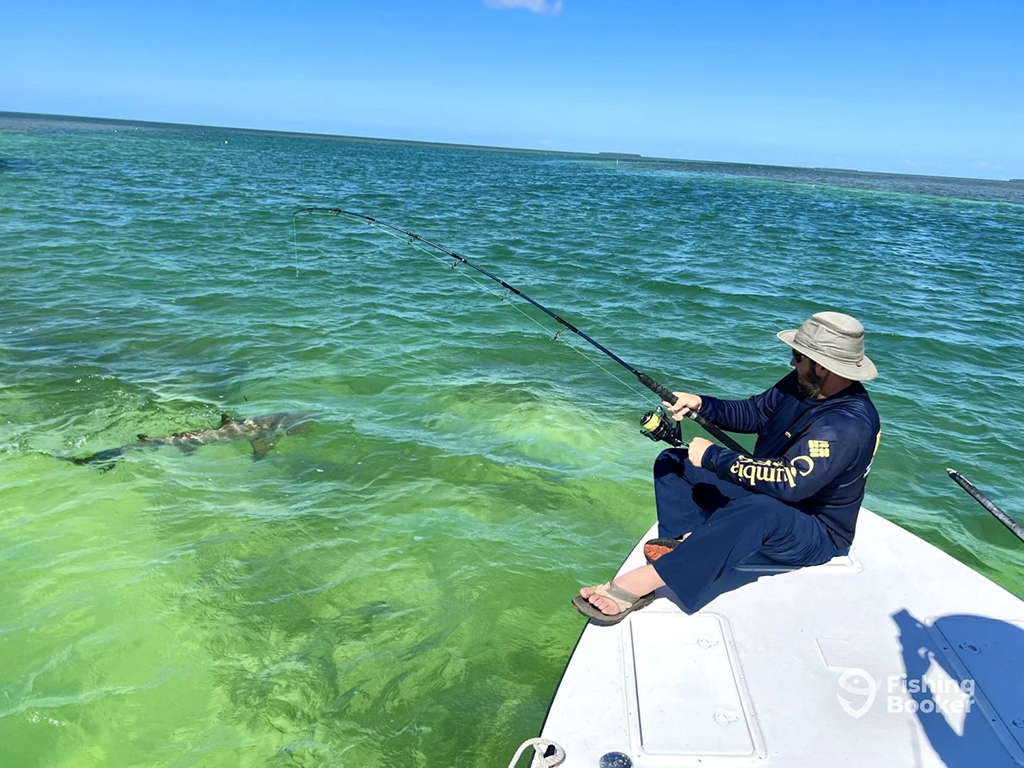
910,87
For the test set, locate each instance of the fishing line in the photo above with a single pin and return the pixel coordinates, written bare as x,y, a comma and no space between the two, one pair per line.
656,425
502,297
487,289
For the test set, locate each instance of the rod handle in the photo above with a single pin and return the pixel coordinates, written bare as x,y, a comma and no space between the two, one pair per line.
718,434
984,500
657,389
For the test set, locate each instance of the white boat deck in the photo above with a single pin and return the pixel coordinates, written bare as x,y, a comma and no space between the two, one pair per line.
813,666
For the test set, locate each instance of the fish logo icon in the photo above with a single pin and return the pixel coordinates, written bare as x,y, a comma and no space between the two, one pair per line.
860,683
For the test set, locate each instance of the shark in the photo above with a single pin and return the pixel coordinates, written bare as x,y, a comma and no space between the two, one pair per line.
262,432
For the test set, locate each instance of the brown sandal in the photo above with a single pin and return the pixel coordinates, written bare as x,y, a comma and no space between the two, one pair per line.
627,602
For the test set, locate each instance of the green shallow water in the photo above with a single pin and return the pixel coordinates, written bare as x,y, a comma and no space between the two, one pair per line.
392,587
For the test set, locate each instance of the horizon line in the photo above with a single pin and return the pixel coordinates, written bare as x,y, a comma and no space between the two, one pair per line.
604,155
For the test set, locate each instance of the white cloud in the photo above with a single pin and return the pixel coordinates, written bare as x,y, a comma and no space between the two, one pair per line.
537,6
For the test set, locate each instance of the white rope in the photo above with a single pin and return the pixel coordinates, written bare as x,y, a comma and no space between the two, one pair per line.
540,746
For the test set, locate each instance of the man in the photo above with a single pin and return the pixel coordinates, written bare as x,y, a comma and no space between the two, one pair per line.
795,500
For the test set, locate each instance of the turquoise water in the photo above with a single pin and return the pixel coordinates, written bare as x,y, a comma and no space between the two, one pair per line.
392,588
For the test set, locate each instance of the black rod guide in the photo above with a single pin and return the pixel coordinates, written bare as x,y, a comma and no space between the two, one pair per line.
655,387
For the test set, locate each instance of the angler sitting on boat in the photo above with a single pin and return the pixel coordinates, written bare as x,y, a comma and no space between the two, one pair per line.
795,500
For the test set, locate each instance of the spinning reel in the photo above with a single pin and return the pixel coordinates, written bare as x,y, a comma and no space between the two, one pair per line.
659,425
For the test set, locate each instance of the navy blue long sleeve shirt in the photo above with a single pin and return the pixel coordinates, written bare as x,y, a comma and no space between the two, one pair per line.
812,454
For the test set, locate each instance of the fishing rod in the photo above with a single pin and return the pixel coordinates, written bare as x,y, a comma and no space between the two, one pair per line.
982,499
657,425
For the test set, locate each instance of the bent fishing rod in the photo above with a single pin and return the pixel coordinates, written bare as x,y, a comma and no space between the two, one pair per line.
656,425
982,499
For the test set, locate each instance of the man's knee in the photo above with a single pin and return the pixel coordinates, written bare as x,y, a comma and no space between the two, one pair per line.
671,461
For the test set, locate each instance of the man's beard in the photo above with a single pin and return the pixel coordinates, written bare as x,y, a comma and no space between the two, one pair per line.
812,384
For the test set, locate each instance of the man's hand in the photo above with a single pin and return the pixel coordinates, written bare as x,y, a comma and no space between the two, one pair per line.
685,402
697,447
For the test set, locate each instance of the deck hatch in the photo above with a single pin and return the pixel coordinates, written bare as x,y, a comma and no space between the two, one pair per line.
690,697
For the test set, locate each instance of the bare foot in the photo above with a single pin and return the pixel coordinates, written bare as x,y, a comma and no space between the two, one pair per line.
637,582
605,605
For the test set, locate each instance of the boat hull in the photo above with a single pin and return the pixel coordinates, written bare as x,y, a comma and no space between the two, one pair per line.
894,654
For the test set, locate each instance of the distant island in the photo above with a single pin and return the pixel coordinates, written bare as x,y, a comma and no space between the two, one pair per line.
620,155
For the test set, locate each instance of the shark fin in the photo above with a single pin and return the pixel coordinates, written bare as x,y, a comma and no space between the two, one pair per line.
260,448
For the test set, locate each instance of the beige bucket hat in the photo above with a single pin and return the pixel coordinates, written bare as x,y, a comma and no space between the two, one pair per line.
834,341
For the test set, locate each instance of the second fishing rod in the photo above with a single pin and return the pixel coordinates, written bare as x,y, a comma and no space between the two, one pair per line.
656,424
